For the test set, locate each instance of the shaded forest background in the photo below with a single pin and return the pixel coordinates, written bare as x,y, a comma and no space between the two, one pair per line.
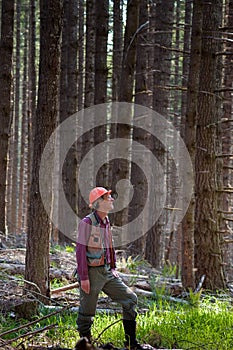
59,57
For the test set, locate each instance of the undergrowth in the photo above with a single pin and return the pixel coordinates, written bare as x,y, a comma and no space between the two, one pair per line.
206,325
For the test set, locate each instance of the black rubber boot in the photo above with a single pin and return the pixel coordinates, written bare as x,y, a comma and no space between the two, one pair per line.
130,335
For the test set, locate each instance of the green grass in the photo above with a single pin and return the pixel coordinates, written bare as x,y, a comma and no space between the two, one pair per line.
206,326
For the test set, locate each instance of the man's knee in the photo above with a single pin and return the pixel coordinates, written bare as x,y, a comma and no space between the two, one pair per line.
133,298
129,309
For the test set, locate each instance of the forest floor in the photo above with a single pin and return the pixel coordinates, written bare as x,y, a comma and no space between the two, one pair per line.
12,267
63,264
62,267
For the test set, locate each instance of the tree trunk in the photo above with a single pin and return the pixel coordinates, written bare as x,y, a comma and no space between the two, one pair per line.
37,254
116,66
32,74
6,51
121,166
162,24
90,54
143,97
80,53
101,76
101,39
117,47
170,249
208,255
87,140
186,60
23,171
187,265
227,127
12,226
69,102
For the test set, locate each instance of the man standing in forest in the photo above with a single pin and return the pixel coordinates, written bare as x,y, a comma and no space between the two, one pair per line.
96,263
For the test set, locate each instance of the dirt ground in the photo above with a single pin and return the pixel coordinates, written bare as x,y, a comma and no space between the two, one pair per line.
62,267
12,266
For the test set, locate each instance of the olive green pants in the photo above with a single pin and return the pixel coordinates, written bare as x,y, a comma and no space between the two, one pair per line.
102,279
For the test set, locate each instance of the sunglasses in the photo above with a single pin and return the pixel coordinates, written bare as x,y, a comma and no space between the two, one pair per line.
113,195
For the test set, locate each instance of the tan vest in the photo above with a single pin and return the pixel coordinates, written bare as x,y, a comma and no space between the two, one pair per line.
95,245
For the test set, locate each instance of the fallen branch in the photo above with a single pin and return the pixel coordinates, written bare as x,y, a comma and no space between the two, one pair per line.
6,347
30,333
227,219
200,284
112,324
64,288
228,241
33,322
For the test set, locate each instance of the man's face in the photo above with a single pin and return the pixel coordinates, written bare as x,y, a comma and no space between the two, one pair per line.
106,203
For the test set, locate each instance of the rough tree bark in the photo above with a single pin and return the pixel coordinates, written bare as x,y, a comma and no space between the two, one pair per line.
87,140
37,253
69,103
6,51
126,87
101,77
162,18
208,255
187,259
143,96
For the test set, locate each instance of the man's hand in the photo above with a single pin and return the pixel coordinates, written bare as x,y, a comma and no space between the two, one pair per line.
115,273
85,285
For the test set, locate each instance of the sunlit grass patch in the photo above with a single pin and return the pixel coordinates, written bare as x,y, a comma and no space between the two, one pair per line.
208,325
205,327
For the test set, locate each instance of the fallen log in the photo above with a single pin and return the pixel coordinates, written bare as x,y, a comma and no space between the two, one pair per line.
142,287
125,277
19,269
146,293
12,269
65,288
75,309
128,276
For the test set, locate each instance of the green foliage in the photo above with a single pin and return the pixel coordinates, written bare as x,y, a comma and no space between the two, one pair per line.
133,263
194,298
156,286
182,326
55,248
70,248
59,248
136,264
56,283
165,325
169,270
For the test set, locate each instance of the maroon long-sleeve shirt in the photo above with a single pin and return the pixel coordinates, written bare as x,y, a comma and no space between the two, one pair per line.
84,231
